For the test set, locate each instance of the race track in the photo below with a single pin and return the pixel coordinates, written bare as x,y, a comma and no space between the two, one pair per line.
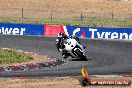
105,57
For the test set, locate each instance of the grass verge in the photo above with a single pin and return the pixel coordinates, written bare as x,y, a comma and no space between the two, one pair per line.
11,56
70,21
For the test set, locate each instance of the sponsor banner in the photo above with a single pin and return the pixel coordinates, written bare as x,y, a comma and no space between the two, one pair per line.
21,29
99,33
52,30
88,32
109,33
74,30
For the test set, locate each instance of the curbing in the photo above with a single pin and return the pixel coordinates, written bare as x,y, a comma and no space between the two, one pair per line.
29,66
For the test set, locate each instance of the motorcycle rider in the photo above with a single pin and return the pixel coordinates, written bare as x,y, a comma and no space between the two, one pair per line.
61,37
60,41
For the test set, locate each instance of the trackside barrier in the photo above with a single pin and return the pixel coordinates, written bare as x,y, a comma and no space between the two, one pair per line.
88,32
52,30
22,29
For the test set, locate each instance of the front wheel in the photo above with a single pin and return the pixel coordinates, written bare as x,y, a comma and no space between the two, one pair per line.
80,54
84,58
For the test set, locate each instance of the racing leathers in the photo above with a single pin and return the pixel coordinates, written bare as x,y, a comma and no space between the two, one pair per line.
60,43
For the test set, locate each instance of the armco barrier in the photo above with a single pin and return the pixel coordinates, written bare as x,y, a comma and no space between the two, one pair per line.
22,29
88,32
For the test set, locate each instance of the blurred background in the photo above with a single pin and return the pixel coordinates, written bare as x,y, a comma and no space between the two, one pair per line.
95,13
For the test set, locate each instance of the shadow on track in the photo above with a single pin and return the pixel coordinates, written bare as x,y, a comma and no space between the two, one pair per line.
79,59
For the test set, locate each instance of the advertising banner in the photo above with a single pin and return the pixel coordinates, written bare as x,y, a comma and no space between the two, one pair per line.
109,33
21,29
89,32
52,30
75,30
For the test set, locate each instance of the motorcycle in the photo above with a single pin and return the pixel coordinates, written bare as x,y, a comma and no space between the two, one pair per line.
73,48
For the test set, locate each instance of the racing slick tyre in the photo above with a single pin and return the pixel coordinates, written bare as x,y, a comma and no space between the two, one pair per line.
80,54
84,82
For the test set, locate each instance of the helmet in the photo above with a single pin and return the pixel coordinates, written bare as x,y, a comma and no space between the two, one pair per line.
60,34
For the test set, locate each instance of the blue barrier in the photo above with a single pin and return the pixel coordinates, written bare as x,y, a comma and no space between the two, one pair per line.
21,29
100,33
109,33
87,32
75,30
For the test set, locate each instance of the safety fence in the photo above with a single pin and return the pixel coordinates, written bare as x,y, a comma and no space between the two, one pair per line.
52,30
83,18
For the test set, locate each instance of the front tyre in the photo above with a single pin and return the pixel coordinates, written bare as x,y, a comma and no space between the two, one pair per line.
80,54
84,58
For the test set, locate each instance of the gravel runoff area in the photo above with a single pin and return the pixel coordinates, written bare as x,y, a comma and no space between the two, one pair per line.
57,82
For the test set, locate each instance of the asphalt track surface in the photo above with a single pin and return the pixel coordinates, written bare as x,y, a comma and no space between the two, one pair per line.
105,57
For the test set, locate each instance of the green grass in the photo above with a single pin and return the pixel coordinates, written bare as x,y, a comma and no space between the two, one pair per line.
70,21
11,56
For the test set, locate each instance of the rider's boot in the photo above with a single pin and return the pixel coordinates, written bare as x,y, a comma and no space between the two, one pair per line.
64,54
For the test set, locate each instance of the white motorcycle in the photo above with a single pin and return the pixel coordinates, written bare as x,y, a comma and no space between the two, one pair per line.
74,48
